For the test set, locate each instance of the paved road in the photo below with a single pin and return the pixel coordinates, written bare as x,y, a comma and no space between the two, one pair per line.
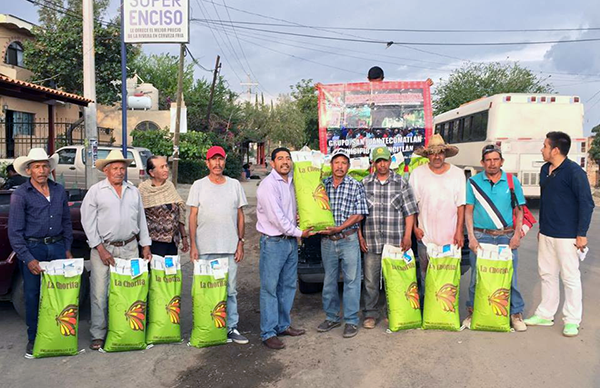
541,357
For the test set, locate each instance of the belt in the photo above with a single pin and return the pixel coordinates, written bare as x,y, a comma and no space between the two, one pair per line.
279,236
342,235
496,232
121,243
45,240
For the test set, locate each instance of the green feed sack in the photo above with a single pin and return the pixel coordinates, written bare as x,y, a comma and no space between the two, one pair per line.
357,173
491,308
442,286
313,203
209,303
127,297
415,161
164,300
58,318
402,294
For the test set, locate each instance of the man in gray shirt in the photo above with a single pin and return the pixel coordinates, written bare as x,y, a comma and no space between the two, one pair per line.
113,218
217,227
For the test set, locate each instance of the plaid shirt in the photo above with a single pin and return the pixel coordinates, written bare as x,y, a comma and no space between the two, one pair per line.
390,202
346,200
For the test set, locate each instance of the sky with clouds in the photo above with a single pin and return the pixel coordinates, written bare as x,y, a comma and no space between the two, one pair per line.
276,61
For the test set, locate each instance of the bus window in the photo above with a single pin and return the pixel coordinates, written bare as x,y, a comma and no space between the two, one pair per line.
466,135
456,131
447,130
479,126
438,128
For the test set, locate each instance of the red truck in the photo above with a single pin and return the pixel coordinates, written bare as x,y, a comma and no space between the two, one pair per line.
11,283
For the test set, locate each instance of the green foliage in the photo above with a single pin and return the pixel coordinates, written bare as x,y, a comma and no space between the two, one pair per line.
191,170
286,124
305,96
476,80
159,142
55,55
594,150
3,173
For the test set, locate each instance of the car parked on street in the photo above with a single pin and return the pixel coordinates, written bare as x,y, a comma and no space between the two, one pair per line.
71,165
11,282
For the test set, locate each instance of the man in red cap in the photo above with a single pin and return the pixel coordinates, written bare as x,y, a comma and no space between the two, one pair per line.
217,227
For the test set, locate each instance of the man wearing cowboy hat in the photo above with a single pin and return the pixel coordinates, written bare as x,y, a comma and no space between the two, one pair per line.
114,221
439,189
39,228
489,216
392,207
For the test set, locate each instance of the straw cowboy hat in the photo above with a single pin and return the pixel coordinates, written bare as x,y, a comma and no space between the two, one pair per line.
437,145
35,155
113,156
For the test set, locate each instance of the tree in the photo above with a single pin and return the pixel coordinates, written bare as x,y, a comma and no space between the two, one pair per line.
594,150
55,55
304,94
286,123
476,80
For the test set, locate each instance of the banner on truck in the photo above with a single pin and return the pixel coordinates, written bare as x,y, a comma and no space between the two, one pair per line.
361,116
156,21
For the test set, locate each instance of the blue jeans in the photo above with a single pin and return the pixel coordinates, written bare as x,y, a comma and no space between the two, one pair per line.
31,282
516,300
278,275
232,312
346,251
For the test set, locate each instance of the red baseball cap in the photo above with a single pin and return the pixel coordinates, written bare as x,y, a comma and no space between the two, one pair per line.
215,150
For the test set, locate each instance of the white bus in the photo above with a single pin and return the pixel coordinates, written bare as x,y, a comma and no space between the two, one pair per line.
518,123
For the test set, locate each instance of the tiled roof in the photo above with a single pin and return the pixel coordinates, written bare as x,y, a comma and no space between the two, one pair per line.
60,95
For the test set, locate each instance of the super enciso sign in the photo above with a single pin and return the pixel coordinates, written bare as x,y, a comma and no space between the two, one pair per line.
156,21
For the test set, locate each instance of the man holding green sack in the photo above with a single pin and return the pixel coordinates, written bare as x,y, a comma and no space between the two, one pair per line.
164,300
209,302
314,210
127,301
442,287
399,272
392,206
492,293
58,320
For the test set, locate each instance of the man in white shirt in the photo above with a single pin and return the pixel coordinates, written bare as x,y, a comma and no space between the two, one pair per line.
439,188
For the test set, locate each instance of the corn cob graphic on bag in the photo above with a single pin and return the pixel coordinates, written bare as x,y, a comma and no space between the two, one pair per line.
127,298
209,302
402,294
164,300
313,203
58,318
491,308
442,286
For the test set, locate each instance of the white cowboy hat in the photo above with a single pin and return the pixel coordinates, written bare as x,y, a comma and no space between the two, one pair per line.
113,156
35,155
437,145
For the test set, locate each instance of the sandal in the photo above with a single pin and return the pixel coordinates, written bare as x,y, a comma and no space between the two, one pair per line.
96,344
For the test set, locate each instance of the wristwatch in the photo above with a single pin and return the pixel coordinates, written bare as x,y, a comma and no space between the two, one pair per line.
242,239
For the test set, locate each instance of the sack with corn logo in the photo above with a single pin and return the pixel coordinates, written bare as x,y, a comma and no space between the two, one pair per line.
442,286
58,318
491,308
127,298
209,302
402,294
313,203
164,300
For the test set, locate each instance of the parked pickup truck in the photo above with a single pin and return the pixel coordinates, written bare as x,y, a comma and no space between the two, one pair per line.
11,282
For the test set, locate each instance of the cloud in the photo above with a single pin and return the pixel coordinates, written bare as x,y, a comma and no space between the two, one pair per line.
581,58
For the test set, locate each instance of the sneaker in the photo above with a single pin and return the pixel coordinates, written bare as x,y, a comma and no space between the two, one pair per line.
350,330
536,320
235,336
517,323
327,325
369,323
466,323
571,330
29,350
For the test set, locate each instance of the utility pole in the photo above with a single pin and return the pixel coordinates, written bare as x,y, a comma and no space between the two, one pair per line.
123,85
89,92
212,91
175,168
249,84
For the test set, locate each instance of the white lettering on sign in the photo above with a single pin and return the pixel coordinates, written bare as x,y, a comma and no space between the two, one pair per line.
156,21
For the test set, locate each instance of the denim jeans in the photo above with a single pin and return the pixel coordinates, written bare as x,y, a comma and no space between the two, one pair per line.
278,276
232,312
516,300
347,253
31,282
372,262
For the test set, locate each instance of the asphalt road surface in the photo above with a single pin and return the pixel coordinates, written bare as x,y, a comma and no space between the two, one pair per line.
540,357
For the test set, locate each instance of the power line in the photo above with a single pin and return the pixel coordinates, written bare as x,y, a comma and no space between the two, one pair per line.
195,61
418,30
67,12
